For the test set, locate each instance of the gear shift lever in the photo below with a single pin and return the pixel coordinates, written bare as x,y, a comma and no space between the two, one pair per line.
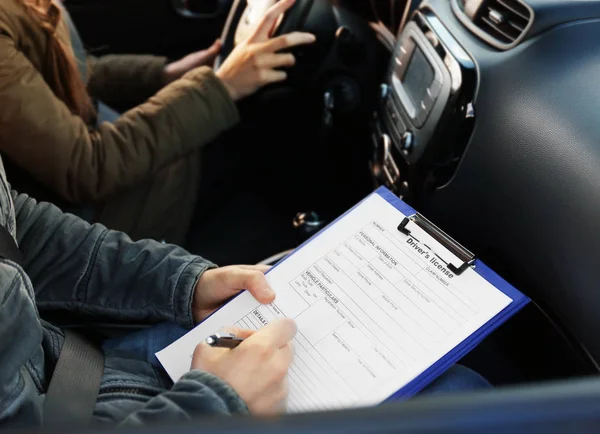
307,224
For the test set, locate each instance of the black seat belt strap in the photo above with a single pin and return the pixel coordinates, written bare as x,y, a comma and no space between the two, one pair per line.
8,247
75,383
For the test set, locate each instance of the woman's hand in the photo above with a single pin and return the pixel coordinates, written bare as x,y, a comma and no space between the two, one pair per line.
177,69
254,63
217,286
257,368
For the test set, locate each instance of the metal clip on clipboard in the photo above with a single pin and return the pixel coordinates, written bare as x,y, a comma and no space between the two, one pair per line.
467,258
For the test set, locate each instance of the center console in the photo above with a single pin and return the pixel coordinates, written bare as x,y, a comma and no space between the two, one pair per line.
426,112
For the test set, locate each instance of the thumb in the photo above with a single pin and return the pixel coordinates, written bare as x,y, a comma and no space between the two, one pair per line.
238,332
252,280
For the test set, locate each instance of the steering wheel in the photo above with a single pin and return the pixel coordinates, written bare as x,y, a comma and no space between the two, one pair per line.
245,15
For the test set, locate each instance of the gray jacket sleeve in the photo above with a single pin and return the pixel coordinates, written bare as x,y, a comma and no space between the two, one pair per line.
87,269
196,394
21,355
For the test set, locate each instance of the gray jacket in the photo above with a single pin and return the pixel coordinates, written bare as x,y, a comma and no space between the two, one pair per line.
75,268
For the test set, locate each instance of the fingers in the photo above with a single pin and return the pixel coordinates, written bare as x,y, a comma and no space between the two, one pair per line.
263,30
238,332
252,280
288,41
260,267
289,353
278,333
272,76
273,61
278,391
201,57
275,398
204,355
214,49
286,355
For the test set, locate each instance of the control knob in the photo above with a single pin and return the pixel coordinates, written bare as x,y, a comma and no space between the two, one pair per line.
384,91
408,141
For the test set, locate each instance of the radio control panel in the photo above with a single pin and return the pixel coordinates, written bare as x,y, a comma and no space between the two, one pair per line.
429,85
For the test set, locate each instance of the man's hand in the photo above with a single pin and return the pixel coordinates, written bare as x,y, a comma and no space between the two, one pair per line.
256,62
257,369
177,69
217,286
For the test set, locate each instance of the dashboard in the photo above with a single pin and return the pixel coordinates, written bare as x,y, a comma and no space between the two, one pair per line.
489,124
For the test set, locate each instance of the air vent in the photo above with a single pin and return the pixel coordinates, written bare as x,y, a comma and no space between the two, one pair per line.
501,23
504,20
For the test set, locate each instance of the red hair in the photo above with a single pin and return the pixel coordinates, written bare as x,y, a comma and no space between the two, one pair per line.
64,79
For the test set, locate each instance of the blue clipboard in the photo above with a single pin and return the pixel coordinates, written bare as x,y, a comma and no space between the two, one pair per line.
519,300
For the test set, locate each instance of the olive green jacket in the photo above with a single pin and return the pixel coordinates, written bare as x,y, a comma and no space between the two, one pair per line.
83,164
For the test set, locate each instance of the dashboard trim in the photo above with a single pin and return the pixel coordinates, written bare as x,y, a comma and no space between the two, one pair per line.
464,73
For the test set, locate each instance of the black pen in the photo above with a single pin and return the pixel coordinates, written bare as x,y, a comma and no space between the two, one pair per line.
228,341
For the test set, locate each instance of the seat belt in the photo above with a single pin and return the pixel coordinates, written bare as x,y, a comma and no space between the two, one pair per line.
8,247
75,383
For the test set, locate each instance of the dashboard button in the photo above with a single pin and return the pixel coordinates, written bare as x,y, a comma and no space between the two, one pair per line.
408,141
435,89
384,92
428,101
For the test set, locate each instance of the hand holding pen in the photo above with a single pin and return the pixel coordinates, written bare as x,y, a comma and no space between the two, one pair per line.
218,340
254,363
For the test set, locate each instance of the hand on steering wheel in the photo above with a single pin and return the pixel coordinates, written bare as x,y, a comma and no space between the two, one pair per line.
254,63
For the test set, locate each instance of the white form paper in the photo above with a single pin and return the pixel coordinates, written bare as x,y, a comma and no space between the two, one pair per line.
374,310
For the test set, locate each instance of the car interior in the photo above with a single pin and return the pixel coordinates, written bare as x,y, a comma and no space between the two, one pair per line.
483,115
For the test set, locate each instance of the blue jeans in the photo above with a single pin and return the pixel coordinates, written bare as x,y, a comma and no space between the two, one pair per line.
458,378
145,343
106,114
